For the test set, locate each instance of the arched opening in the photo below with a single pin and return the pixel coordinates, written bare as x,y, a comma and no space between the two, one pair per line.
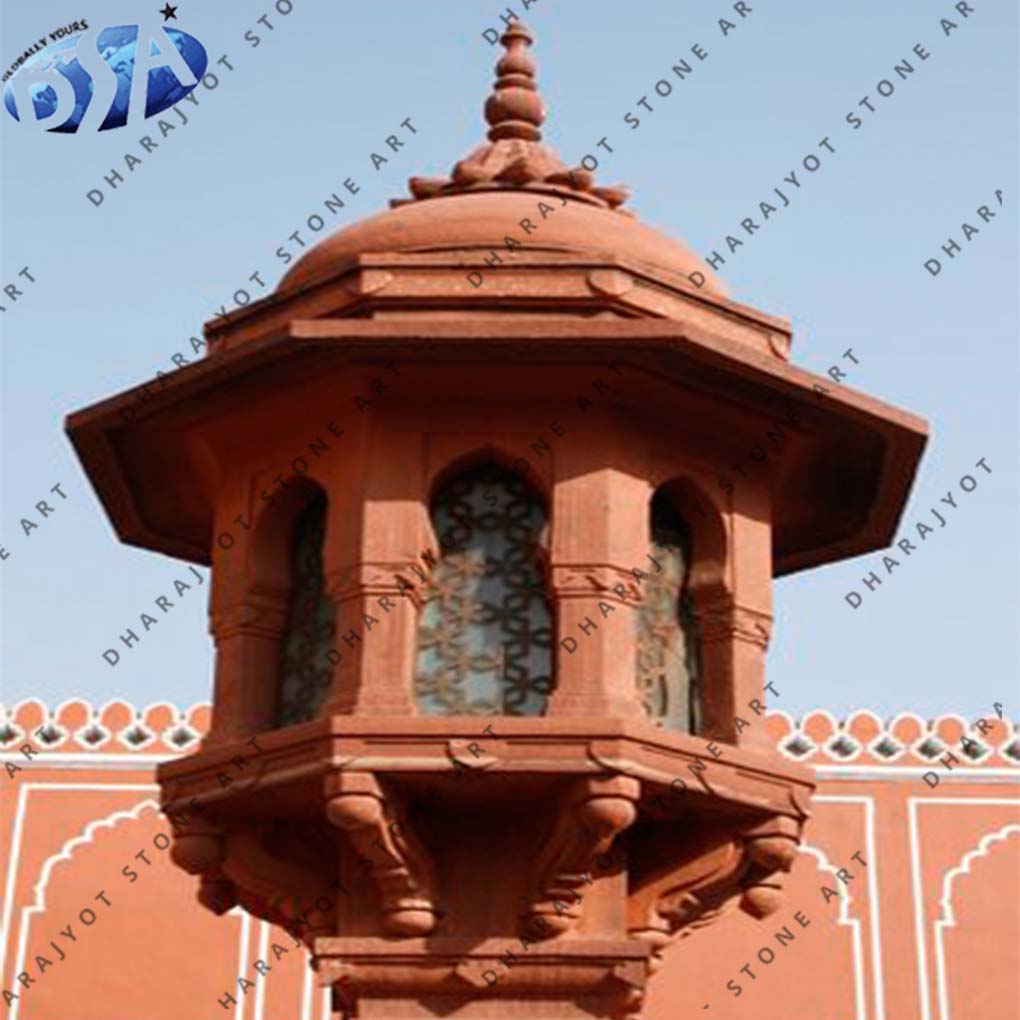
667,638
305,673
484,634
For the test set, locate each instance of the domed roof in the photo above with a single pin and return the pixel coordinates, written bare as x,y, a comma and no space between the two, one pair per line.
512,178
481,220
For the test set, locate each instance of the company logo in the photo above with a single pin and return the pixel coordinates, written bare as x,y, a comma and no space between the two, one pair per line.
95,78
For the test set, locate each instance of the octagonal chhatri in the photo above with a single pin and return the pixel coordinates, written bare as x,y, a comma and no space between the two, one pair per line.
490,632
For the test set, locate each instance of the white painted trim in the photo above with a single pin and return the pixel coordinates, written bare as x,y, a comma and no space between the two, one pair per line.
14,858
14,861
243,938
918,893
86,759
260,988
308,997
307,992
874,900
845,920
920,921
888,773
947,907
65,853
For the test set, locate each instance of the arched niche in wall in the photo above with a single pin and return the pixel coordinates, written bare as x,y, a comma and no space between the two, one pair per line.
687,544
485,629
288,568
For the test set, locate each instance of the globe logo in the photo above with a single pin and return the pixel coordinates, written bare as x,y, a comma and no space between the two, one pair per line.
91,78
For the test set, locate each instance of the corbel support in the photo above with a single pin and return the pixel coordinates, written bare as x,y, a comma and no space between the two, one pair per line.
593,813
202,851
685,898
382,836
769,850
277,890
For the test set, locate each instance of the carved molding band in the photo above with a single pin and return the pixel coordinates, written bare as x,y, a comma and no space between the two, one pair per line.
395,578
733,623
263,614
603,580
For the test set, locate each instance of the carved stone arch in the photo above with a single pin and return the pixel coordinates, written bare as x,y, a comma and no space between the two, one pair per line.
708,581
269,552
289,577
687,539
252,623
488,453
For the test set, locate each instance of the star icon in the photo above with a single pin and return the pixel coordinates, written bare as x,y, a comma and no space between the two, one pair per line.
169,12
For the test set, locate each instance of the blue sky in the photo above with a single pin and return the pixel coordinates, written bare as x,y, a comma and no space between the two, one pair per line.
121,287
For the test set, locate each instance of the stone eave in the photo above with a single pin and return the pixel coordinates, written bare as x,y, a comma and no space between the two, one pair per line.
886,442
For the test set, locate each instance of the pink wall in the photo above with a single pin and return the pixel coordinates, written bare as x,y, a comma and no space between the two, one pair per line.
929,929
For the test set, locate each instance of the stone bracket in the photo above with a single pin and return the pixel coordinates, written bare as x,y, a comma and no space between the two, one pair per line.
592,814
770,849
284,891
382,836
201,851
746,865
683,899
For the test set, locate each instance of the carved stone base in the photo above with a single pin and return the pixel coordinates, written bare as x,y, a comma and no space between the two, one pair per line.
420,979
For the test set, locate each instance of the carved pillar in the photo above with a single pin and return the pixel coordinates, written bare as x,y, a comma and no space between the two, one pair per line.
375,641
595,627
733,640
735,625
248,639
376,620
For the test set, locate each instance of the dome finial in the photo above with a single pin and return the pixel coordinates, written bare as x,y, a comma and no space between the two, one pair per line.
515,109
514,155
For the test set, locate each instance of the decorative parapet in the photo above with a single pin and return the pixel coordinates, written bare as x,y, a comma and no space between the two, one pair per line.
78,727
816,738
819,738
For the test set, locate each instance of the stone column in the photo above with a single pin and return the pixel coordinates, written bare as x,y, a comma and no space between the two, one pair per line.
734,632
375,574
374,644
599,534
248,638
733,640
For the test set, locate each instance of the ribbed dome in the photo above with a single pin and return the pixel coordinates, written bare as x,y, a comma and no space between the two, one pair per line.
480,221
